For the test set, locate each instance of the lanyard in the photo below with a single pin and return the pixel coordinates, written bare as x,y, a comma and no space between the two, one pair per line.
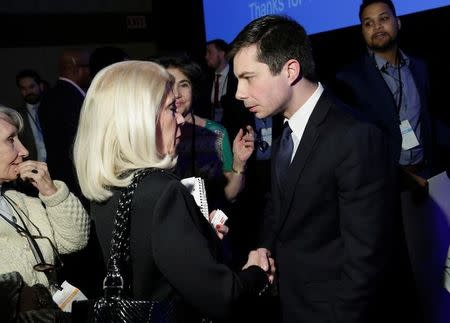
400,85
23,231
42,266
399,80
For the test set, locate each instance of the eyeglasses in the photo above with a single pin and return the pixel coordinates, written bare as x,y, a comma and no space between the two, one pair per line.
43,266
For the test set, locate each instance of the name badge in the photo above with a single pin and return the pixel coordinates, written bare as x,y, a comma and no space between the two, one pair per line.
65,297
409,139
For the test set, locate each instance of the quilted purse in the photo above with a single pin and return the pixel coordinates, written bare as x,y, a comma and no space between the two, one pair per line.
114,306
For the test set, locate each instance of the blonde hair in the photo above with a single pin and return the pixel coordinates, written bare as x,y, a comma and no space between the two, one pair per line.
117,129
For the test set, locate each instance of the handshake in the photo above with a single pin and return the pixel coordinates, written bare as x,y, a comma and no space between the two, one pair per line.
261,257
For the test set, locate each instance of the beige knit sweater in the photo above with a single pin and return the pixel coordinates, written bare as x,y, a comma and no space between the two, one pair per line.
60,217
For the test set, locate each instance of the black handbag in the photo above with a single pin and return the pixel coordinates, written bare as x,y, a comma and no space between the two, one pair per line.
114,306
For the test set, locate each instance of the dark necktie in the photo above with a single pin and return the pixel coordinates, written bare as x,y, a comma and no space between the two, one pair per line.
283,157
216,91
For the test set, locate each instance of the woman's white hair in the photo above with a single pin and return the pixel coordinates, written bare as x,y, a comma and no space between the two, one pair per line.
11,116
118,126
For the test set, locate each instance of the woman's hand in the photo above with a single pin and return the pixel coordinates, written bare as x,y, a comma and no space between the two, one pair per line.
221,229
37,174
243,146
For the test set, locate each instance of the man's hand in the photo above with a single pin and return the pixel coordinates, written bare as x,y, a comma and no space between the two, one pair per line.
262,258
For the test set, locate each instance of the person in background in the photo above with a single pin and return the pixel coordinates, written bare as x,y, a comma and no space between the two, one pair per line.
30,86
391,88
131,122
59,112
328,225
204,150
223,108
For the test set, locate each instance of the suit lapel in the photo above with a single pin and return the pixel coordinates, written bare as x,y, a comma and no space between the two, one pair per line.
307,145
377,84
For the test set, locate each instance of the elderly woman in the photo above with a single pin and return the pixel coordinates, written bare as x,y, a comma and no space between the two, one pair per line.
33,229
129,122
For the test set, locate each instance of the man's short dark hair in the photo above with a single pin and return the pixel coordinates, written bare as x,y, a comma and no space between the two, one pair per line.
28,73
220,44
367,3
278,39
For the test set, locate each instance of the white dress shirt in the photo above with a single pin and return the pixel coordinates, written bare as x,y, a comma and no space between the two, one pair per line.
35,125
300,118
222,83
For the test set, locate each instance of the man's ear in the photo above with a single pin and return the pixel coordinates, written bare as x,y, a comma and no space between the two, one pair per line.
293,70
399,24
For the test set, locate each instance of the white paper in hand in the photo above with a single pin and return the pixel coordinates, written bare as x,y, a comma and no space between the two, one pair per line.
218,218
196,186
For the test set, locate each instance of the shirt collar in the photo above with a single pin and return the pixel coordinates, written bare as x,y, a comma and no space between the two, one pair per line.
225,70
74,84
31,107
383,64
299,119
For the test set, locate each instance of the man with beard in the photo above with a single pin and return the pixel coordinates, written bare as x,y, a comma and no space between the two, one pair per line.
30,86
391,89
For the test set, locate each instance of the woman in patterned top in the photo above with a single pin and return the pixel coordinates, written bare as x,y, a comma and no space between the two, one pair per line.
205,149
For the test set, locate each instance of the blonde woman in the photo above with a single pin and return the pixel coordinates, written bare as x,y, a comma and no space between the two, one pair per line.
129,122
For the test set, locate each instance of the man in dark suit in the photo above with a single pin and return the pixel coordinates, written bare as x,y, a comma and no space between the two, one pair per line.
328,226
59,113
29,83
224,107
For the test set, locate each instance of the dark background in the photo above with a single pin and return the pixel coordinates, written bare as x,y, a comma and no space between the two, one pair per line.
178,25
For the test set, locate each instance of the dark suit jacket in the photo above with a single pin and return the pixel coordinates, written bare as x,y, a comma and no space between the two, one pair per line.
174,250
362,85
26,136
329,226
59,112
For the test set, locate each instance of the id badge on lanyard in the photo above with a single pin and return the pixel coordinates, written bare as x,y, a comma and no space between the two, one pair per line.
409,139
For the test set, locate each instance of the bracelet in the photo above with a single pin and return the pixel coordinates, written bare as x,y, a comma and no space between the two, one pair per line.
239,172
